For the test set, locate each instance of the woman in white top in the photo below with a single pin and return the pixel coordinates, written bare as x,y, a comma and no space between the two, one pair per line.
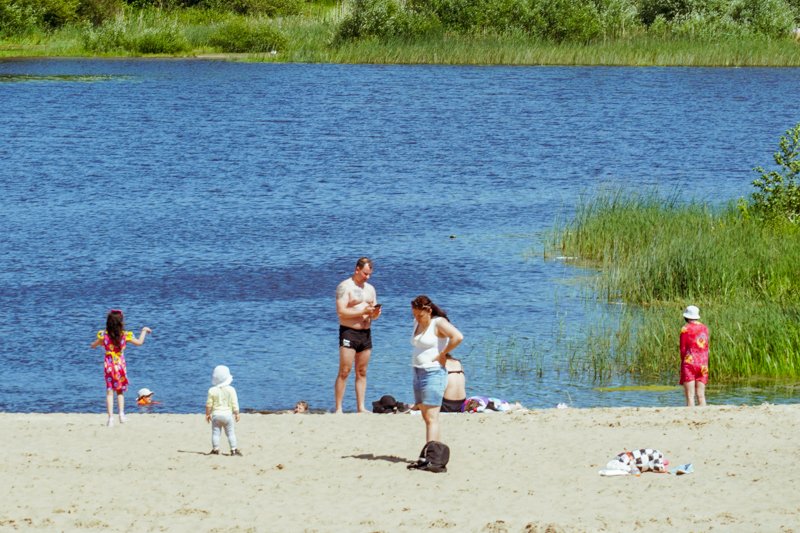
434,336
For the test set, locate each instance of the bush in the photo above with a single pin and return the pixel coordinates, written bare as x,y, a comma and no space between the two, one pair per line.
99,11
480,16
24,16
618,18
384,19
108,37
166,39
242,37
670,10
21,16
368,18
778,191
17,18
57,13
270,8
705,25
570,20
558,20
773,18
167,5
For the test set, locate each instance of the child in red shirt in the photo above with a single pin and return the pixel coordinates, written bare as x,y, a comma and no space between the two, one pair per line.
694,357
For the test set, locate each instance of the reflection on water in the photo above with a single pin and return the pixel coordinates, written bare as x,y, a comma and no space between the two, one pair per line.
754,393
751,394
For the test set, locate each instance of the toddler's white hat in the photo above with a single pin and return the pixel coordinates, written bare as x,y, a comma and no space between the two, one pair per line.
221,376
691,313
144,392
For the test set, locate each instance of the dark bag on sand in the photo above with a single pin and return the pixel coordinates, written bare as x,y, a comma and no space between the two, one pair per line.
433,457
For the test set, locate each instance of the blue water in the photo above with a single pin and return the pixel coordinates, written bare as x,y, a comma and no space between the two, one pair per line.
221,203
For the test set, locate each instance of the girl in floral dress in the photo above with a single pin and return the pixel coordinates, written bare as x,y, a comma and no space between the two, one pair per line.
114,339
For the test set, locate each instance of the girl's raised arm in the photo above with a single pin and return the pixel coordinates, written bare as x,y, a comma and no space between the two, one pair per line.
142,335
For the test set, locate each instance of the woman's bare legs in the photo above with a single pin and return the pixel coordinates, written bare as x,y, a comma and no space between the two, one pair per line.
430,414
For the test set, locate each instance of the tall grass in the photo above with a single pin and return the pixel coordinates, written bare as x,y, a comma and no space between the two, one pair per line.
655,249
520,50
749,341
308,40
145,32
661,255
497,32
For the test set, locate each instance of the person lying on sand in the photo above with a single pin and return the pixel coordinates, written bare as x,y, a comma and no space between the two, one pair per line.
479,404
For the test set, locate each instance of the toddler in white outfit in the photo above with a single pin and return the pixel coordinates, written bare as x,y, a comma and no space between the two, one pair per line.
222,408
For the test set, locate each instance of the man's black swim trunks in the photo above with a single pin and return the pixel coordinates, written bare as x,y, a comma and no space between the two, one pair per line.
357,339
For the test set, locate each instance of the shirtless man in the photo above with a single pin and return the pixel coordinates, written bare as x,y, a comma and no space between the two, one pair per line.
357,307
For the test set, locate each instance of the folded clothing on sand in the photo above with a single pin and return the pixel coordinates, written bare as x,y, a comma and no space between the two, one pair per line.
636,461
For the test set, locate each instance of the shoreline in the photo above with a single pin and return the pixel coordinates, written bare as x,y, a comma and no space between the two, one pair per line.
464,51
256,58
534,470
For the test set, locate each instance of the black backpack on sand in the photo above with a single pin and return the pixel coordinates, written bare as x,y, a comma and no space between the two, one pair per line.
433,457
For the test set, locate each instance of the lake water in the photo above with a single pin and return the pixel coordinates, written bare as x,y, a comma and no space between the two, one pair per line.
221,203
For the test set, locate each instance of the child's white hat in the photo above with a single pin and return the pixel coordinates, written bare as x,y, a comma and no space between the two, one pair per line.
691,313
144,392
221,376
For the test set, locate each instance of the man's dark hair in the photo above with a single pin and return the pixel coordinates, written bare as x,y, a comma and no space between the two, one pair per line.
363,261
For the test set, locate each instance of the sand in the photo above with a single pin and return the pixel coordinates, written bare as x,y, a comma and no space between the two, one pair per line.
528,471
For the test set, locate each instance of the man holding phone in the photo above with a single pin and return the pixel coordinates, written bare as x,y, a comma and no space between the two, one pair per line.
357,307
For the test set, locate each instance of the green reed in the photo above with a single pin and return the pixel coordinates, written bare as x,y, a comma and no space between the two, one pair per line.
749,340
661,255
519,356
519,50
652,249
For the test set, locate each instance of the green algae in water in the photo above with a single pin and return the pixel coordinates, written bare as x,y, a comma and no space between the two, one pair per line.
84,78
638,388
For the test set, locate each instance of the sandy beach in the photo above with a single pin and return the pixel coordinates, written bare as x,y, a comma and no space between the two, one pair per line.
525,471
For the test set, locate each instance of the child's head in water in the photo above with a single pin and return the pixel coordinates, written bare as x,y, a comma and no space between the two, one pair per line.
145,397
301,407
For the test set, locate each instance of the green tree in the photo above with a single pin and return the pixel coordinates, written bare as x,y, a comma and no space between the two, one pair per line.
777,197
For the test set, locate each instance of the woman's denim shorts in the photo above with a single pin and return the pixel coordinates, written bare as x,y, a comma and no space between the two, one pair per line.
429,385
